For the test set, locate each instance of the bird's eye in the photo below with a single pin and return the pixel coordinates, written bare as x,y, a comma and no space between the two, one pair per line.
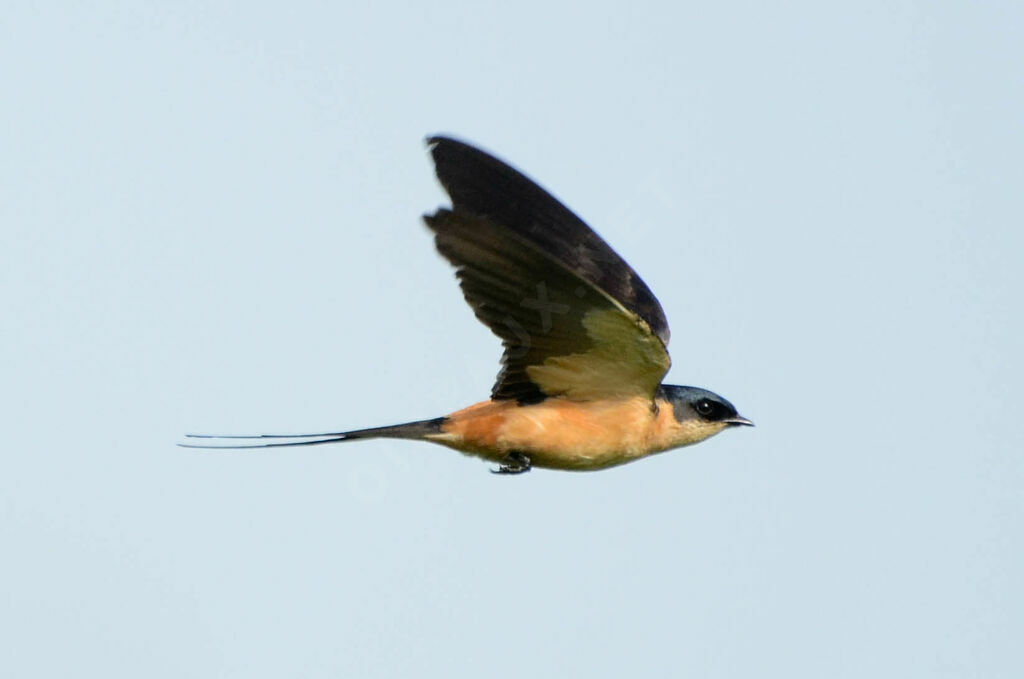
704,407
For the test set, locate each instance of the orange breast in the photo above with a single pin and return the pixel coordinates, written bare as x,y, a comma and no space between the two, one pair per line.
561,434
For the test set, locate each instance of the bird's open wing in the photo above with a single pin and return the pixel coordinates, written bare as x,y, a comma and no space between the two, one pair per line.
575,320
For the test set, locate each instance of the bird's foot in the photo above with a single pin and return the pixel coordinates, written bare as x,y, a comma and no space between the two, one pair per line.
513,463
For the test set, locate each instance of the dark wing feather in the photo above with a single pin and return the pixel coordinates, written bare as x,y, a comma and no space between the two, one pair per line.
546,284
480,184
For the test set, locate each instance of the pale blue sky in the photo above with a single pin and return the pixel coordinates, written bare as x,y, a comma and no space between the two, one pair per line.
211,215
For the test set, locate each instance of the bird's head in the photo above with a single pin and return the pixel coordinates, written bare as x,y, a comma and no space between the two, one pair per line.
699,413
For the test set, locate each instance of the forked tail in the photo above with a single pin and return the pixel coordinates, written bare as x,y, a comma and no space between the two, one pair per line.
409,430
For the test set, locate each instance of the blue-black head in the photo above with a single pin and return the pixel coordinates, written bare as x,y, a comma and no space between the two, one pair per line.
694,403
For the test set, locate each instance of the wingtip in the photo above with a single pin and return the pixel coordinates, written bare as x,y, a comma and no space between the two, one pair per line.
432,140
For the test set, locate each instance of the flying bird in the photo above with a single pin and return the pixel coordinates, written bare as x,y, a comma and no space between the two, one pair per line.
585,341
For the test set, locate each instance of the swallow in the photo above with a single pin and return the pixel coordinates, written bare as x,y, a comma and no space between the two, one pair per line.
585,340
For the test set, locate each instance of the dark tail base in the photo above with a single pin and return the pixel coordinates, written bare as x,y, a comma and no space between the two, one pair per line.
409,430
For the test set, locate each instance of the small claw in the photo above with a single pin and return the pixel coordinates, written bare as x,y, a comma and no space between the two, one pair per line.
514,463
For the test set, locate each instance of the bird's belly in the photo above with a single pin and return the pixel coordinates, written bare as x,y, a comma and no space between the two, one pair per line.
556,433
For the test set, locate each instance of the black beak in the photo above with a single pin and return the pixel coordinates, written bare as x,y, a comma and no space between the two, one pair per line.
738,420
